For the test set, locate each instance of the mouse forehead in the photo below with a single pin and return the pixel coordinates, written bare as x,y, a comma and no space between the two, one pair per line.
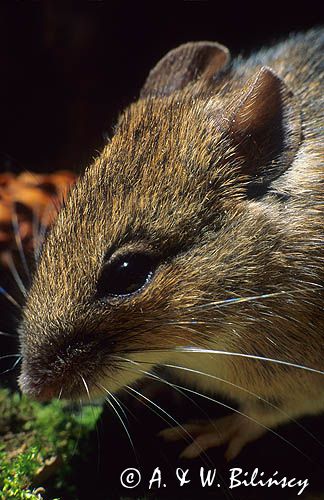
155,171
163,153
150,183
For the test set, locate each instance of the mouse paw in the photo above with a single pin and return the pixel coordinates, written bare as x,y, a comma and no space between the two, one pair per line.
235,431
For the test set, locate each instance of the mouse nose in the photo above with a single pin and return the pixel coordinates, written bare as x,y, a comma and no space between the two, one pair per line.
38,391
50,370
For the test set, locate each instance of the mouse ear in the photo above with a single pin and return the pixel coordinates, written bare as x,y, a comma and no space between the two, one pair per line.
265,127
185,64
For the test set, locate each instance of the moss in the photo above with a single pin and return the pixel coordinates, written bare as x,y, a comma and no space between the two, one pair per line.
37,444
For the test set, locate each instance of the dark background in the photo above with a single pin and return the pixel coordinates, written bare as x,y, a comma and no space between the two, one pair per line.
67,70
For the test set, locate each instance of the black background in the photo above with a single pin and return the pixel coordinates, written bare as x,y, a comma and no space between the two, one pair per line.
67,70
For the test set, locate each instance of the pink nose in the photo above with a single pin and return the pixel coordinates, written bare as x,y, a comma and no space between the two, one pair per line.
38,391
47,393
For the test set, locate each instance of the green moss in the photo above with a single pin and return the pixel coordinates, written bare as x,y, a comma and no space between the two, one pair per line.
37,442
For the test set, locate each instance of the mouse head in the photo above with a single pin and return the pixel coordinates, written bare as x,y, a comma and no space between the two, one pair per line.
164,225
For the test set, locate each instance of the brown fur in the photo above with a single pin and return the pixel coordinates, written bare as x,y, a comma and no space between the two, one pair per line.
198,175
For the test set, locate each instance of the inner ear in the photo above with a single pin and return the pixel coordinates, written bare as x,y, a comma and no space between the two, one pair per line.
265,127
183,65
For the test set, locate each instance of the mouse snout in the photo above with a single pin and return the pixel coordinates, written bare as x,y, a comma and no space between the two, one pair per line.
54,370
36,390
45,380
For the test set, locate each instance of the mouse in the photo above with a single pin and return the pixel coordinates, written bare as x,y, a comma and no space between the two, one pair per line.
194,241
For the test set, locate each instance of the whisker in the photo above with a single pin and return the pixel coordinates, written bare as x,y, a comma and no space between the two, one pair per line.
153,375
251,393
120,419
16,229
9,297
36,228
186,349
76,444
235,410
11,335
205,457
143,402
189,437
174,387
10,356
114,398
257,396
121,403
86,387
158,407
13,366
60,393
15,274
242,299
170,384
138,398
250,356
234,300
91,406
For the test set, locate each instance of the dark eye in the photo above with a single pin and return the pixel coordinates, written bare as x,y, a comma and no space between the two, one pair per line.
125,274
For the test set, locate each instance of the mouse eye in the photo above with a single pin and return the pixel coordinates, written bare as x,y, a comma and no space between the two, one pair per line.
125,274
